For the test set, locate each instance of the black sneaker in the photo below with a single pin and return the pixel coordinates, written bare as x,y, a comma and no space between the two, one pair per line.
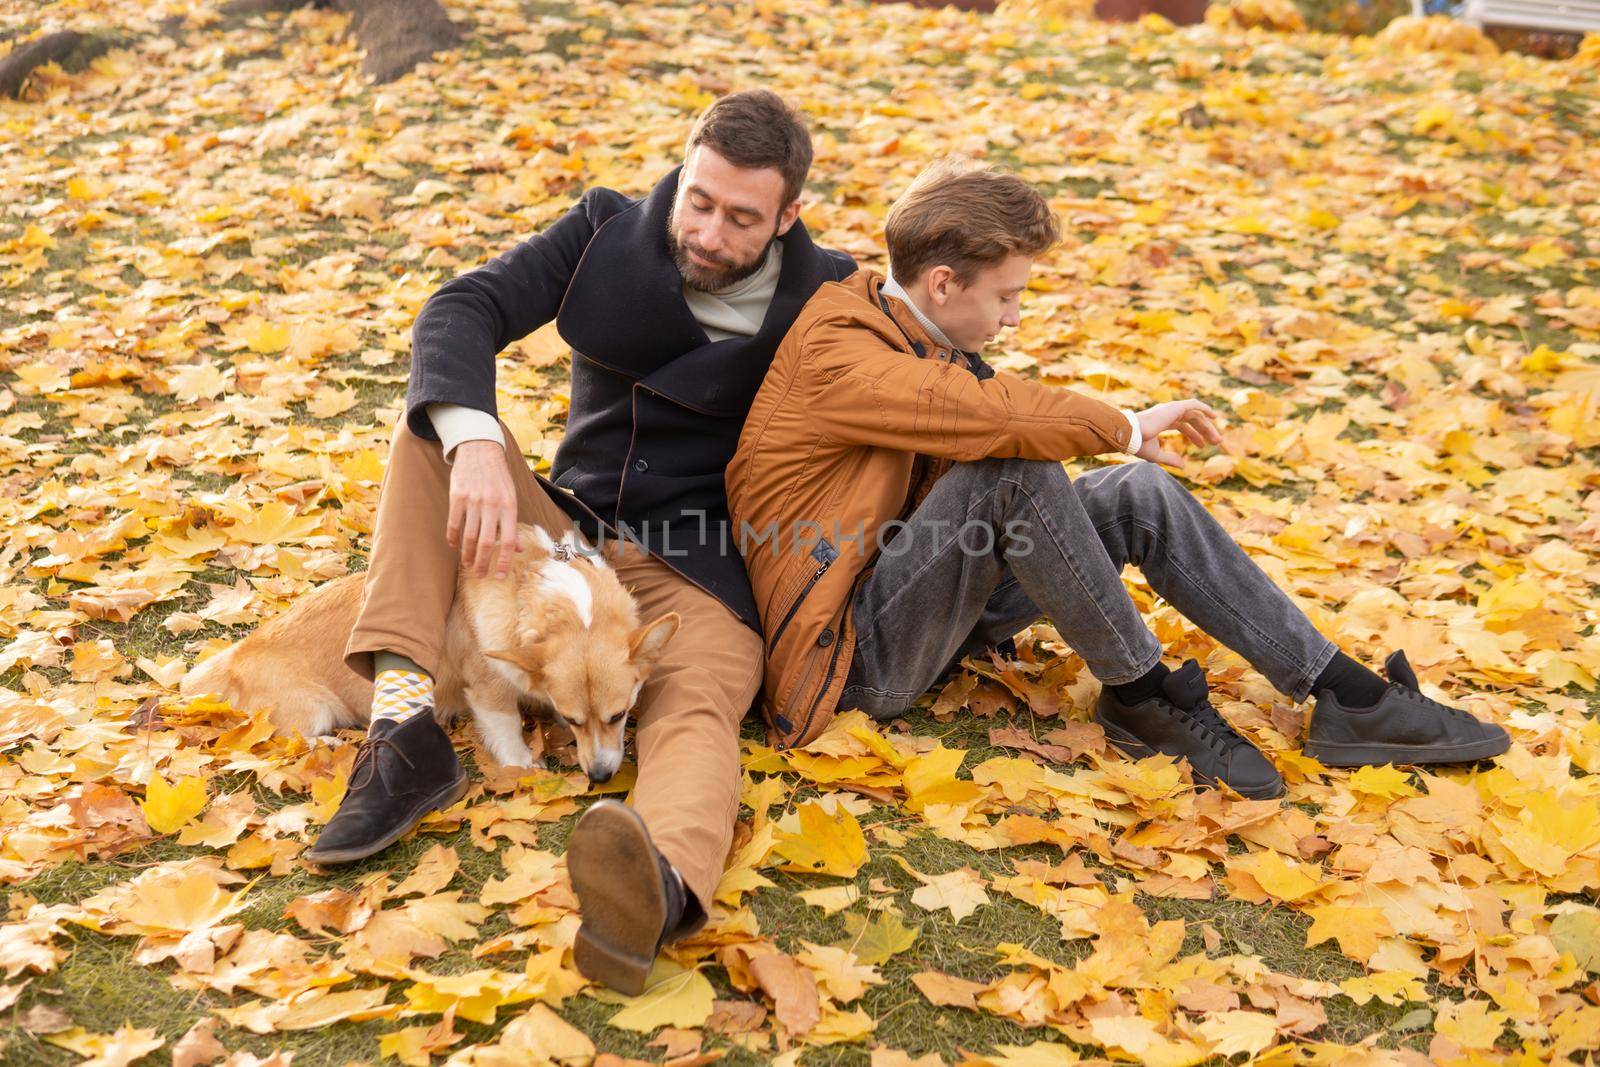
402,772
1183,723
1402,727
629,896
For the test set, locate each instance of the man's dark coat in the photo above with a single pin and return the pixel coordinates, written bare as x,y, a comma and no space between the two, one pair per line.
656,405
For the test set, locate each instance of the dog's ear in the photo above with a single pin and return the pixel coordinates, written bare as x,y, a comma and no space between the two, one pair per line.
529,657
650,640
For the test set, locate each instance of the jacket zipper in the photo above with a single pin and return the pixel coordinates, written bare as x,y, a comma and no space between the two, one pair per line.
824,554
838,645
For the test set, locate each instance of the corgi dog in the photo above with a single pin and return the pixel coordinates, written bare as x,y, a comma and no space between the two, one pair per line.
559,634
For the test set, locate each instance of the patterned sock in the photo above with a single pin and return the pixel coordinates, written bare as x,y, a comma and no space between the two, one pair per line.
1142,688
400,690
1353,685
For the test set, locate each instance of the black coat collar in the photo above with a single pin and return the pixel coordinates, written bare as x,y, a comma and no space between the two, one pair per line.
624,310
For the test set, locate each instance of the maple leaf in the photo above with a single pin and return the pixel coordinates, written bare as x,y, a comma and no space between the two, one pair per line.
1391,987
947,990
124,1047
309,1010
475,995
1235,1032
1278,877
539,1034
1356,929
1470,1024
259,335
168,808
388,939
1577,931
446,915
838,972
1037,1054
199,1047
877,940
274,523
831,899
1385,782
198,381
28,945
931,779
960,890
673,996
435,870
416,1046
528,870
335,910
222,824
839,1025
165,901
825,844
230,605
326,403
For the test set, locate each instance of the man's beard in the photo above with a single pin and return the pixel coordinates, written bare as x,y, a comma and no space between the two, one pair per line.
710,279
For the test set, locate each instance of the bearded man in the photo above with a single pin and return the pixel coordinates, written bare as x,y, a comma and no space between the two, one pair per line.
674,305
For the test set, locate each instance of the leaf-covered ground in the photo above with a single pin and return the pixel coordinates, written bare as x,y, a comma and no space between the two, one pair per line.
1382,266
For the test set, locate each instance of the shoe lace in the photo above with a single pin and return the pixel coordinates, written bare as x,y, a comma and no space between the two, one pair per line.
1214,729
1427,701
367,759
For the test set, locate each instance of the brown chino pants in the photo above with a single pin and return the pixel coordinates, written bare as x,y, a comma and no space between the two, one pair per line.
687,718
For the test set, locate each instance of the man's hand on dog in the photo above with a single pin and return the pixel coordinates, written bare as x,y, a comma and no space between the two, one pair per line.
1195,418
483,507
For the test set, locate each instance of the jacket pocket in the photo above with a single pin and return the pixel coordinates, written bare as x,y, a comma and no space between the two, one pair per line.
840,628
797,689
822,556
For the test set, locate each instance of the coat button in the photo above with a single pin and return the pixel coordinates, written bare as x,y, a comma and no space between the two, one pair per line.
825,638
640,465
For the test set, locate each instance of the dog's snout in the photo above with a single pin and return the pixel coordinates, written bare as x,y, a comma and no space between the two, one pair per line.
604,765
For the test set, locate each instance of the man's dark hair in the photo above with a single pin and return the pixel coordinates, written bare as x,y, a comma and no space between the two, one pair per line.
757,128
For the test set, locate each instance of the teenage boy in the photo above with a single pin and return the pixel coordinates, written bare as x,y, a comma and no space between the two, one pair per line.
900,504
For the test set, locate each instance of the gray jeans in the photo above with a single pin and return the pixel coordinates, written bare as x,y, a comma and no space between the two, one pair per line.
998,543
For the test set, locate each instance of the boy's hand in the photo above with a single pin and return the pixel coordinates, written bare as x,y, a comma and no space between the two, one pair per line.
1195,418
483,507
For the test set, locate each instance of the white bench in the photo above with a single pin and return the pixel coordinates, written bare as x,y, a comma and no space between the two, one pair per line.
1561,16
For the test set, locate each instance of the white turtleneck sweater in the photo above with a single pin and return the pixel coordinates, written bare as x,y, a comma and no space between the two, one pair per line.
736,311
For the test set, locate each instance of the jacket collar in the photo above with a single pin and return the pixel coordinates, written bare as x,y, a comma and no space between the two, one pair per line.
893,288
904,316
624,306
900,312
625,309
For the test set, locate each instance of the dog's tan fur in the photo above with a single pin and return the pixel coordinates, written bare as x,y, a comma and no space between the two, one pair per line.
519,641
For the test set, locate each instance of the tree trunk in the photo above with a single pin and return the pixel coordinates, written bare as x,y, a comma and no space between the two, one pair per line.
259,7
396,35
68,46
